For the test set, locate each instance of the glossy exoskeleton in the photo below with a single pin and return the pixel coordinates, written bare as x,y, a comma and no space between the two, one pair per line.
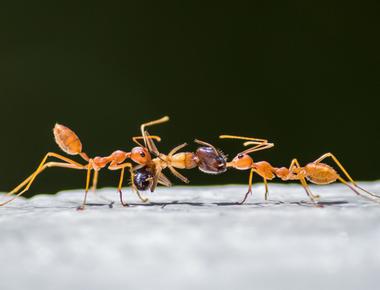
143,178
210,160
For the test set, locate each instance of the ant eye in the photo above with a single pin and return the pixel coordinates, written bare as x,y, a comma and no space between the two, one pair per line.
142,154
240,156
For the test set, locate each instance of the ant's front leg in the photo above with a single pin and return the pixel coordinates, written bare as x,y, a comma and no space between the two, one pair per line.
249,186
266,189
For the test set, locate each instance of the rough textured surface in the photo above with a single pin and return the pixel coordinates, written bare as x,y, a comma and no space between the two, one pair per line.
202,241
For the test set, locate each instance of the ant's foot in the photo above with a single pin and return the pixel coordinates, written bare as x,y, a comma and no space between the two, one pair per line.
110,205
316,197
245,197
81,207
316,203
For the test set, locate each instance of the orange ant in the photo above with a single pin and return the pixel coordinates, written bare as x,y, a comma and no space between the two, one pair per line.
70,143
315,172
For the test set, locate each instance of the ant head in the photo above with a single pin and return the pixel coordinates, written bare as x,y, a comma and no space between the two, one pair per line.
211,160
140,155
241,161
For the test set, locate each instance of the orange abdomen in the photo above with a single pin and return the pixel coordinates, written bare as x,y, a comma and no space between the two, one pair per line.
67,140
183,160
320,173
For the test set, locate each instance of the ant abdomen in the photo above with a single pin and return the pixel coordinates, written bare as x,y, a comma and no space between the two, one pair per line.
67,140
320,173
210,160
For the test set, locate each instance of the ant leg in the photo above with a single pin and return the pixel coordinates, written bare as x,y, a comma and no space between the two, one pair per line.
143,199
162,179
176,149
372,197
95,180
122,167
177,174
87,187
120,186
36,172
266,188
171,168
308,191
329,154
249,186
28,181
46,165
295,165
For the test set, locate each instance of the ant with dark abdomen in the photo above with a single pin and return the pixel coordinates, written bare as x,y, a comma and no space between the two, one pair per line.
70,143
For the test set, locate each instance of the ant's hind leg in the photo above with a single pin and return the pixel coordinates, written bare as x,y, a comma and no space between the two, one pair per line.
81,207
295,164
46,165
308,191
332,156
329,154
28,181
370,196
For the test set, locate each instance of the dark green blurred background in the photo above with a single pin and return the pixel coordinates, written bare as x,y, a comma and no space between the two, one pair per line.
304,74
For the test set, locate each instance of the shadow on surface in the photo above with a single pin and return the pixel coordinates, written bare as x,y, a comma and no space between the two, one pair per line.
201,204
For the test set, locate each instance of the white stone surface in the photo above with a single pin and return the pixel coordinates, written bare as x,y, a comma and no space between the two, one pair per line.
203,241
